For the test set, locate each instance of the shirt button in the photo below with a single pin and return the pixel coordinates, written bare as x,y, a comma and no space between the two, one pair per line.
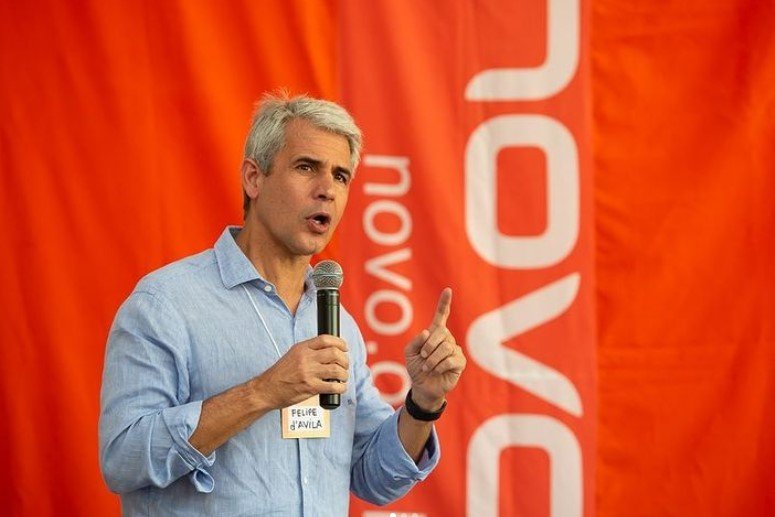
306,481
268,288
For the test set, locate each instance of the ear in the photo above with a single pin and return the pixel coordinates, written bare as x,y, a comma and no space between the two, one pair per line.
252,178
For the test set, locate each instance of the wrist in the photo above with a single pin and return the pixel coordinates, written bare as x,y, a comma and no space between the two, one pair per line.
429,404
419,412
259,396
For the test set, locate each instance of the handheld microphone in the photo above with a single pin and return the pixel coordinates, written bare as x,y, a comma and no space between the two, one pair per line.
327,276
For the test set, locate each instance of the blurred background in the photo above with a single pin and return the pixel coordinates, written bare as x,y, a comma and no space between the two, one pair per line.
594,178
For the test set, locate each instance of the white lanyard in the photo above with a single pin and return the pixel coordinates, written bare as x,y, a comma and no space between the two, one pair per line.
255,307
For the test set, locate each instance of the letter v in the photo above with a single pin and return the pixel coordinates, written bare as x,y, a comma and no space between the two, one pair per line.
489,331
377,266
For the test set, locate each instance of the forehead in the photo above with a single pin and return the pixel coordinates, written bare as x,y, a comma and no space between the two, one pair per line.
303,138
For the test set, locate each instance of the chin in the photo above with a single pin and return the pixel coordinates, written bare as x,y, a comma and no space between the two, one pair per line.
310,248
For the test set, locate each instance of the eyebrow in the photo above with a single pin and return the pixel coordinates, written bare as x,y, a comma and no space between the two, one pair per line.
317,163
308,159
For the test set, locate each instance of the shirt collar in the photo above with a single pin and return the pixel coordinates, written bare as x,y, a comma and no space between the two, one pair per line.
236,268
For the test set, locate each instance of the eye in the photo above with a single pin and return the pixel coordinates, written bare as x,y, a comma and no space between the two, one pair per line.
304,166
342,177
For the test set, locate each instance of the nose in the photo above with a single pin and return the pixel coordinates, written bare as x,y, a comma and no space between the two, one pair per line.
325,187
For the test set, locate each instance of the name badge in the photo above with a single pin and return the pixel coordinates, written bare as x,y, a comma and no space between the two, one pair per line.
306,420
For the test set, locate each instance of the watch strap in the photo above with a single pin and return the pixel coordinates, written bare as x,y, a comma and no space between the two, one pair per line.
418,413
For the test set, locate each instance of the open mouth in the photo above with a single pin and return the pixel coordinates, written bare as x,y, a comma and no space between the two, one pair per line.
320,222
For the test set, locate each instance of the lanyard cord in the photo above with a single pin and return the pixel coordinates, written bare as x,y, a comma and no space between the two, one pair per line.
255,307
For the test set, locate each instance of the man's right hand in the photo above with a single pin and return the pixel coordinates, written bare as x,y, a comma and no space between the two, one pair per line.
309,368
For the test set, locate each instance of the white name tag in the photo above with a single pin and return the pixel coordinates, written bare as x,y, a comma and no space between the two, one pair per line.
306,420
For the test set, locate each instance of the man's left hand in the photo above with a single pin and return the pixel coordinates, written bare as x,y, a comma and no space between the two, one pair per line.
433,359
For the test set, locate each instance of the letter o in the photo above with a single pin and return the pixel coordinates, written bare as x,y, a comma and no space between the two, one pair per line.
397,369
390,207
388,296
481,191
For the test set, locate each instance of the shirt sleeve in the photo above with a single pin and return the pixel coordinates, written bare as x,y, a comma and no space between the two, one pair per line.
146,417
382,471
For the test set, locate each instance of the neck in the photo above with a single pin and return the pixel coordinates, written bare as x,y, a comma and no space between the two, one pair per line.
284,270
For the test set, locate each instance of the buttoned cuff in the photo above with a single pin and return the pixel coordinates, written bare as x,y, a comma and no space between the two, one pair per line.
397,463
181,422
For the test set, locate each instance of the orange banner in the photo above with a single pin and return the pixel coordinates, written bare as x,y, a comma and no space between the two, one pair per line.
476,175
593,179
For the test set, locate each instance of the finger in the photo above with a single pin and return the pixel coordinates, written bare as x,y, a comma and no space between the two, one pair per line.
442,351
333,372
328,386
332,356
455,362
414,346
442,308
326,341
435,338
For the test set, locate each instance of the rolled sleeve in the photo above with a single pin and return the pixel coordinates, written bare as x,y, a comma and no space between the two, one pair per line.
146,416
385,472
181,421
397,463
382,471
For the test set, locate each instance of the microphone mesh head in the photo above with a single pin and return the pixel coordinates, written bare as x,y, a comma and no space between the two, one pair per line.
327,274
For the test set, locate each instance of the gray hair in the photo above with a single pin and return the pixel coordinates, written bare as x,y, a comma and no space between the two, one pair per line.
267,129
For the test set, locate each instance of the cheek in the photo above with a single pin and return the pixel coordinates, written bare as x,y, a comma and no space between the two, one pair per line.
343,201
339,211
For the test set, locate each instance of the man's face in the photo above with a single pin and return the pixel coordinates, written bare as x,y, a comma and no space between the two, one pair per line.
301,200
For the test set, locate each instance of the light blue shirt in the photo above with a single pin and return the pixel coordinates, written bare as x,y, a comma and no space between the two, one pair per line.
188,332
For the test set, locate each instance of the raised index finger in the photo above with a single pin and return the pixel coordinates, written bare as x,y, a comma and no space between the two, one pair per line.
442,308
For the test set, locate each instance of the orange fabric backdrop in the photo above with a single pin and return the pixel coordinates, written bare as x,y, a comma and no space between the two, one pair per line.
122,129
684,127
121,125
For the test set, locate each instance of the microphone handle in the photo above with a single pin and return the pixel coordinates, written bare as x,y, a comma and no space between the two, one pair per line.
328,323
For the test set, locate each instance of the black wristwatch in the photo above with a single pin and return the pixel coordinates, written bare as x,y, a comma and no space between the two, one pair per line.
417,412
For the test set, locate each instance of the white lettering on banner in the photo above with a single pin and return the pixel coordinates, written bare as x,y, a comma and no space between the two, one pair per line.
399,164
487,334
562,192
534,431
385,206
545,80
379,266
392,368
398,299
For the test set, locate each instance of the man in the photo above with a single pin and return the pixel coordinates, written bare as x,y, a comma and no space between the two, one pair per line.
206,352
